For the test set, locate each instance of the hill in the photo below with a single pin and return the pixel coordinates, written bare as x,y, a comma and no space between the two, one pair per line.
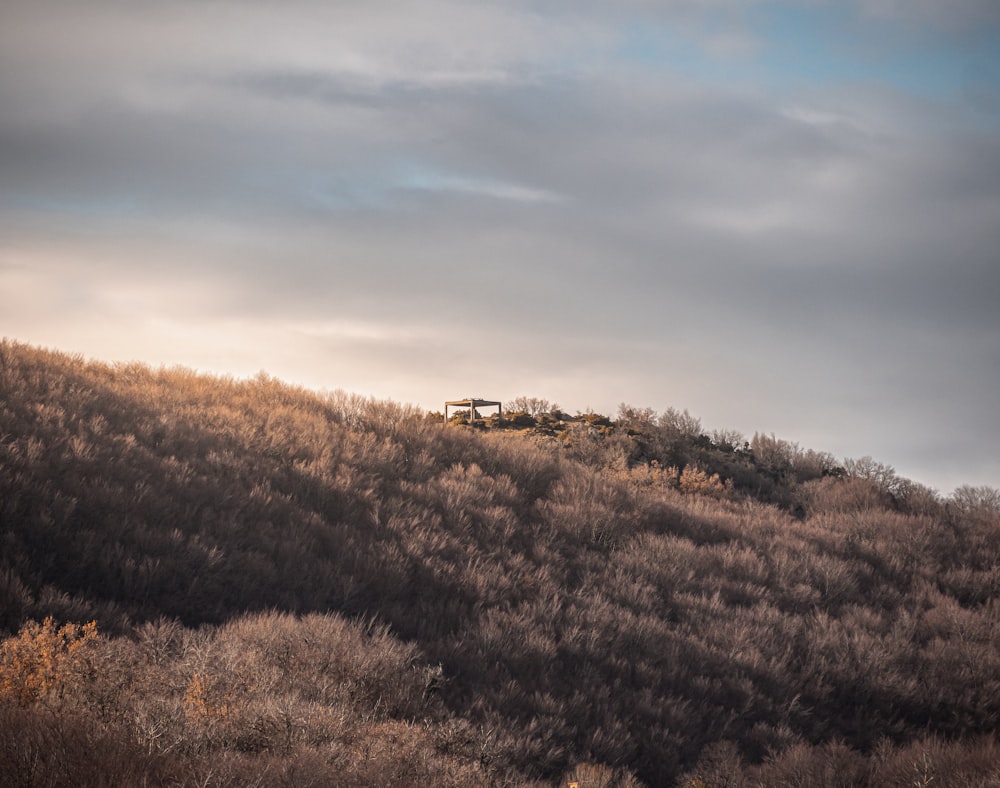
294,588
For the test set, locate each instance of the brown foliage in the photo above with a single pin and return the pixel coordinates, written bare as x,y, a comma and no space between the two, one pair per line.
449,606
322,699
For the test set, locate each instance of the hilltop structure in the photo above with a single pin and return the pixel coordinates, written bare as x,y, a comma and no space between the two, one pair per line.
472,403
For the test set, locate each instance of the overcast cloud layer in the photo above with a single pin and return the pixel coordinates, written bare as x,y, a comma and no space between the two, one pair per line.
783,217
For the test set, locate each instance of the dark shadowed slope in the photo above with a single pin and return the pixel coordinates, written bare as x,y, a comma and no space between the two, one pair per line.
513,604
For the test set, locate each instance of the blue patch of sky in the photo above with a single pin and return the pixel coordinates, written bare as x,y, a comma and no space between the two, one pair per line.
418,176
278,186
380,187
829,44
658,45
344,194
816,45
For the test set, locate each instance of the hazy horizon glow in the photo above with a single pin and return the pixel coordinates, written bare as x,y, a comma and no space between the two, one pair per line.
781,216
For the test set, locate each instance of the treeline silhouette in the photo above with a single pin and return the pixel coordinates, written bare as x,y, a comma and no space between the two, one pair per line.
299,588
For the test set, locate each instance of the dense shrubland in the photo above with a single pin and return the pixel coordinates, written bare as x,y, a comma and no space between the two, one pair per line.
292,588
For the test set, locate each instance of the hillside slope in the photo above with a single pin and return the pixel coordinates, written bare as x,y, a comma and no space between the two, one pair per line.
631,594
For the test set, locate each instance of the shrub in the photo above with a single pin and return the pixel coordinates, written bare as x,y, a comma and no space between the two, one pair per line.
43,660
694,480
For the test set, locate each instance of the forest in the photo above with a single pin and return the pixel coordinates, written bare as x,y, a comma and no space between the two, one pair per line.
220,582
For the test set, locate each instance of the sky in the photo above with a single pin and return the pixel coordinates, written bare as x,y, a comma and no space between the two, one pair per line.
783,217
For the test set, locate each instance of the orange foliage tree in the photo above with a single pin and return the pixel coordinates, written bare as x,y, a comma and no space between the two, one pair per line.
42,660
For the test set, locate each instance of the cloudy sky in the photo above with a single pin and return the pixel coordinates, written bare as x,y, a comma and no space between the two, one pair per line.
782,216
